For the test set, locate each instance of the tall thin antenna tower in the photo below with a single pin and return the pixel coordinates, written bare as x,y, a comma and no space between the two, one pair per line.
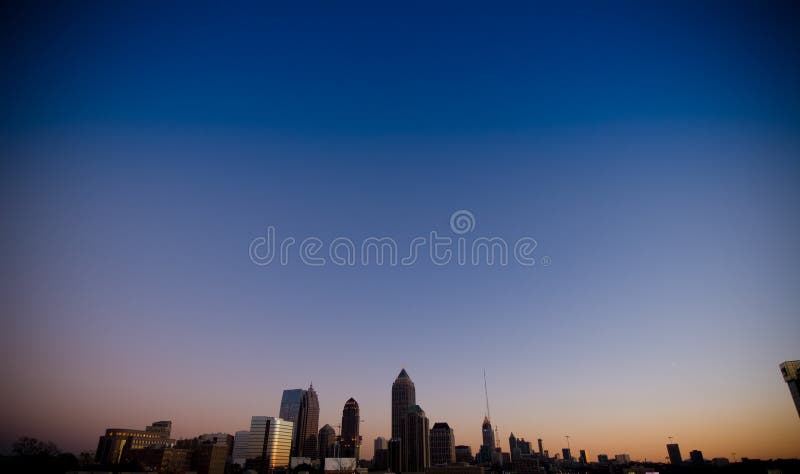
486,392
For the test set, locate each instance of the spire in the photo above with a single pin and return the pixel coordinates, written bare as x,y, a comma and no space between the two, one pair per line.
403,374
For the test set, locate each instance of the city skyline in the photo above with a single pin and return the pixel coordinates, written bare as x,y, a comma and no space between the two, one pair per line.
637,163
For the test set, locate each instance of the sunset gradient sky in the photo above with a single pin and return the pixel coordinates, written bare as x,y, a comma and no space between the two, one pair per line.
651,148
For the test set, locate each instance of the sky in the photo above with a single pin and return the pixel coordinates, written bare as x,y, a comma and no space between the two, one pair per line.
651,149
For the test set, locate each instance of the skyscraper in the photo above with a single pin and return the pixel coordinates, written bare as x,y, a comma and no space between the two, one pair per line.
674,452
305,436
350,441
404,396
697,457
442,444
790,371
290,407
488,433
269,442
327,442
416,440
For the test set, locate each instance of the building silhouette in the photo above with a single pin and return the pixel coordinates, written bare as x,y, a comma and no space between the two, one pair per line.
350,441
790,371
327,443
487,433
696,457
464,454
395,460
442,444
290,407
583,458
404,396
674,452
416,440
305,434
380,459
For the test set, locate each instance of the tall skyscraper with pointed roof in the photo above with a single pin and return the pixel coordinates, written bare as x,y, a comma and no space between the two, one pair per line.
404,396
350,441
305,443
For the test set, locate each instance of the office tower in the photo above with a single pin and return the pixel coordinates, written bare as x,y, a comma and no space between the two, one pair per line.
541,450
790,370
622,459
305,434
290,404
395,455
696,457
602,458
674,453
518,447
380,458
381,443
464,454
487,433
164,428
240,448
403,397
583,457
269,442
416,440
290,407
350,441
442,444
327,442
117,443
567,454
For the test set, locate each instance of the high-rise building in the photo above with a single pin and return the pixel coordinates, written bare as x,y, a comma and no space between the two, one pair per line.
518,447
584,459
541,447
269,442
487,433
380,459
464,454
622,459
290,407
696,457
416,440
790,371
240,447
350,441
674,452
404,396
602,458
381,443
395,455
442,444
327,442
567,453
305,434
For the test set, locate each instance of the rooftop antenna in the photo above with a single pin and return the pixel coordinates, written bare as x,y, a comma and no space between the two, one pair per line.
486,392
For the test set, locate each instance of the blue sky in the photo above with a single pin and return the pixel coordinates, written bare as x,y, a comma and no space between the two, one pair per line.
651,149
